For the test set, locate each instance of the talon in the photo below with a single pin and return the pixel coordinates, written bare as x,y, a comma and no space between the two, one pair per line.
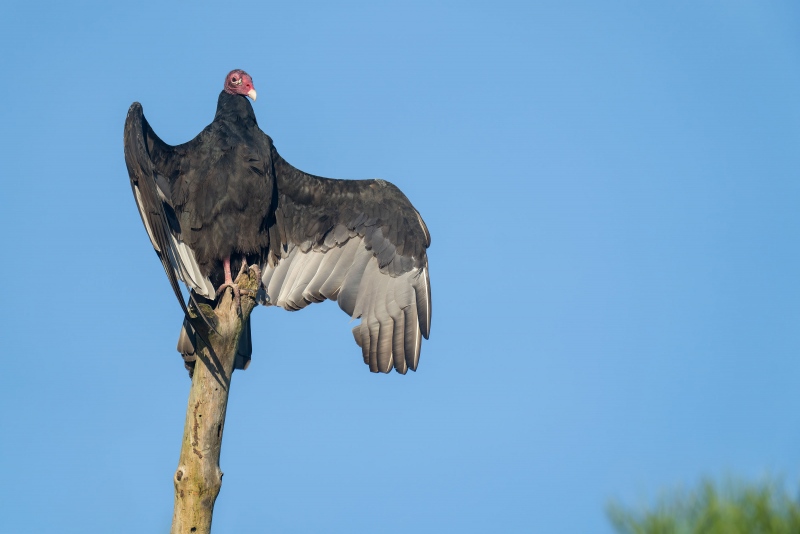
237,294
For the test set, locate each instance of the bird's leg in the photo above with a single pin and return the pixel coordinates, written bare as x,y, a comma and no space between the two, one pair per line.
226,265
237,295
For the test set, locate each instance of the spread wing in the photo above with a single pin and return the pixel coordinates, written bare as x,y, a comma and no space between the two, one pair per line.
152,166
360,243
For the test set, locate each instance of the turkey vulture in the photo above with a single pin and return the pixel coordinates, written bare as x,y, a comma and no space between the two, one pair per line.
227,198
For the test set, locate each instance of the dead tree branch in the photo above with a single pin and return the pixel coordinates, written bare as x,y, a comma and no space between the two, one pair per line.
198,478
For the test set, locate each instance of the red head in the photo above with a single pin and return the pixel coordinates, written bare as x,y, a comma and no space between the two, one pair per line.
238,82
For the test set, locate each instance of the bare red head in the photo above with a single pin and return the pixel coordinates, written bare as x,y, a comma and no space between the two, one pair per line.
238,82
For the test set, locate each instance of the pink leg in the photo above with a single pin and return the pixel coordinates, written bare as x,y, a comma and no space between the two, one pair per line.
226,264
237,297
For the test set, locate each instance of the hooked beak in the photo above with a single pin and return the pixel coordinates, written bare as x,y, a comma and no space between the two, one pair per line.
252,94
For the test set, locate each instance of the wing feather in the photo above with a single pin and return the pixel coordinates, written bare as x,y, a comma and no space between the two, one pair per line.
379,314
313,291
146,194
273,284
333,285
398,318
362,244
348,294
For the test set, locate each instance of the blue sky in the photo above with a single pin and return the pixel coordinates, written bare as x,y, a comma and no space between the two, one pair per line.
612,191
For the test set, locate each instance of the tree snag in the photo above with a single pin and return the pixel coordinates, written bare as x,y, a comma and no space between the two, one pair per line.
198,478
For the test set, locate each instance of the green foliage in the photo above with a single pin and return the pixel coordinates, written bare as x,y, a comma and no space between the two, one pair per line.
734,508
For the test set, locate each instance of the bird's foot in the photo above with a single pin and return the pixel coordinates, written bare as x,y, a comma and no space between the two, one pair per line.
237,291
237,294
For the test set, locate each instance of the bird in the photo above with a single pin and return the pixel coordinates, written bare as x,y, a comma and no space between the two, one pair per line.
227,199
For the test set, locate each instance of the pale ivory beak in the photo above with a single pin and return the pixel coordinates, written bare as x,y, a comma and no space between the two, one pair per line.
252,94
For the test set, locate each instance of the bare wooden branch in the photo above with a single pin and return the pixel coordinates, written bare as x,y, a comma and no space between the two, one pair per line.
198,478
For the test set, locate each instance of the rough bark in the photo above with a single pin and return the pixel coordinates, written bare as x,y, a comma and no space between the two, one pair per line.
198,478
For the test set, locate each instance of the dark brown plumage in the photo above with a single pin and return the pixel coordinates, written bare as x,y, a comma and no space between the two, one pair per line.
228,194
